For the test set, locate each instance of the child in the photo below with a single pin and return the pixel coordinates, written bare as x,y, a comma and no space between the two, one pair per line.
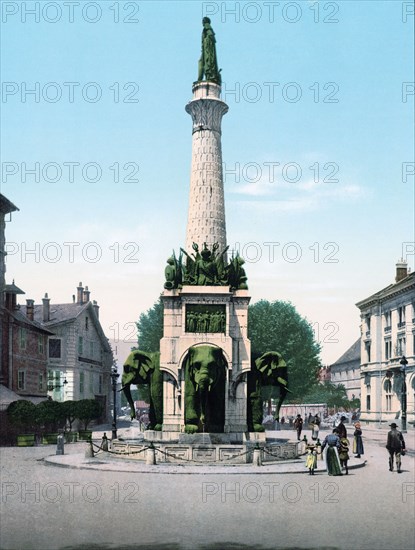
311,460
344,453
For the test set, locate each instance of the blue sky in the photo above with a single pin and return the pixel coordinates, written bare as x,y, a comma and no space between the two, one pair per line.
321,98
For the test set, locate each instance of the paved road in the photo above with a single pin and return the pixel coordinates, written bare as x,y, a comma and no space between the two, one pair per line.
50,507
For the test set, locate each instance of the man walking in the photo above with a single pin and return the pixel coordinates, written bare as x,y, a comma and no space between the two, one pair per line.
395,446
298,425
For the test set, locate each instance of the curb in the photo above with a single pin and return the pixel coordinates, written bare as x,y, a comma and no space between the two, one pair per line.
78,461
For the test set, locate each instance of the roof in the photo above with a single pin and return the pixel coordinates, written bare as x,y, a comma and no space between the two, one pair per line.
6,206
22,319
59,313
351,355
390,290
13,289
64,313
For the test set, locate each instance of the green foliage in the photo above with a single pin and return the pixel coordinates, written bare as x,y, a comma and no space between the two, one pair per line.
22,414
88,410
277,326
70,412
50,415
333,395
150,328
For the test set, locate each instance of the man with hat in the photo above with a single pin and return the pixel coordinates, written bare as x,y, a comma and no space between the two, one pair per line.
341,428
396,447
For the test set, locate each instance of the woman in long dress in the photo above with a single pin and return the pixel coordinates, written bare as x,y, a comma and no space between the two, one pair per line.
358,448
332,442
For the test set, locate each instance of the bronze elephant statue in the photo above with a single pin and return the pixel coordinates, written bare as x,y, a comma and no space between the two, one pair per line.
141,368
205,376
268,379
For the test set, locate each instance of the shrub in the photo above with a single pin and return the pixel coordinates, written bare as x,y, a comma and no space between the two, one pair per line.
88,410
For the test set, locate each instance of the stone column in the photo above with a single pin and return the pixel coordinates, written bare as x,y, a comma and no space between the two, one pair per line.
206,217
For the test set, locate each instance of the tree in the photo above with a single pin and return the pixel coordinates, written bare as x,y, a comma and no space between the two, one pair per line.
333,395
22,414
50,414
88,410
70,412
150,328
277,326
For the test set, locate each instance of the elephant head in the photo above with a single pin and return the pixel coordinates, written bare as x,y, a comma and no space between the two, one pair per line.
138,368
205,376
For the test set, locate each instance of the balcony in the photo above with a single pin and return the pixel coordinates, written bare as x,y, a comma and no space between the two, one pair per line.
401,325
387,329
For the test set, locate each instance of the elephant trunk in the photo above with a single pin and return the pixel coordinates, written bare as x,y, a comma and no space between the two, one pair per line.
127,393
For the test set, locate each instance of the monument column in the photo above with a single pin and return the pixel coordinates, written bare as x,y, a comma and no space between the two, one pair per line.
206,217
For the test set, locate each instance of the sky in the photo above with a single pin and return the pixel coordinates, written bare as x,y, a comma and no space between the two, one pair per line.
317,150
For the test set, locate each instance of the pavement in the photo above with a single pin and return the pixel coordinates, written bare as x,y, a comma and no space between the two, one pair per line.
73,503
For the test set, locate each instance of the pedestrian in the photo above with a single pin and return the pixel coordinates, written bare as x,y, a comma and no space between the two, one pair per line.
104,442
282,420
332,442
311,460
342,428
316,428
344,453
358,448
396,447
298,425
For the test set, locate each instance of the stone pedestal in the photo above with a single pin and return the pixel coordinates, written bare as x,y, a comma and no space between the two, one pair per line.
233,341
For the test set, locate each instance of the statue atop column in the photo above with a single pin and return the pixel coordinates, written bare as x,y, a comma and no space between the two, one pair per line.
208,63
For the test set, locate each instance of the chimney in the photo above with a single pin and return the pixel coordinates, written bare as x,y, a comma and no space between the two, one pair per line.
401,270
46,308
96,308
86,295
80,294
30,309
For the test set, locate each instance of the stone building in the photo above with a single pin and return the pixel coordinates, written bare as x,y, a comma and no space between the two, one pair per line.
23,342
346,371
79,355
388,334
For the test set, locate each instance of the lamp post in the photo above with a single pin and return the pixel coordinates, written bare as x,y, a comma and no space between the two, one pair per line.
403,362
114,377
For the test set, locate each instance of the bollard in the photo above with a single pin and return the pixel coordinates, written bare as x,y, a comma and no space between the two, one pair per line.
60,447
257,459
151,455
89,451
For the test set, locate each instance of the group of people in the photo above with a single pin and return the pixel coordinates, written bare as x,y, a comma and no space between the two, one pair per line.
337,453
314,422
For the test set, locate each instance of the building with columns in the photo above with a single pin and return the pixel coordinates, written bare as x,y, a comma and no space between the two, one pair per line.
388,334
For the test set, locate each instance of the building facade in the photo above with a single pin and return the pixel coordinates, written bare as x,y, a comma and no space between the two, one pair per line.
346,371
388,334
79,355
23,342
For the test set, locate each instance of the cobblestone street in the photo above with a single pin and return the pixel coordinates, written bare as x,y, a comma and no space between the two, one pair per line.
52,507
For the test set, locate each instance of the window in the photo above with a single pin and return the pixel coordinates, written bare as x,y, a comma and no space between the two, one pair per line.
91,382
41,381
21,380
54,348
23,335
80,345
388,349
100,384
86,323
401,316
368,323
368,352
40,344
368,403
91,349
387,386
401,346
81,382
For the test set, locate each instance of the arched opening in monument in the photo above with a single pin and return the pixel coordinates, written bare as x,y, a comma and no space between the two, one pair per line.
205,382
